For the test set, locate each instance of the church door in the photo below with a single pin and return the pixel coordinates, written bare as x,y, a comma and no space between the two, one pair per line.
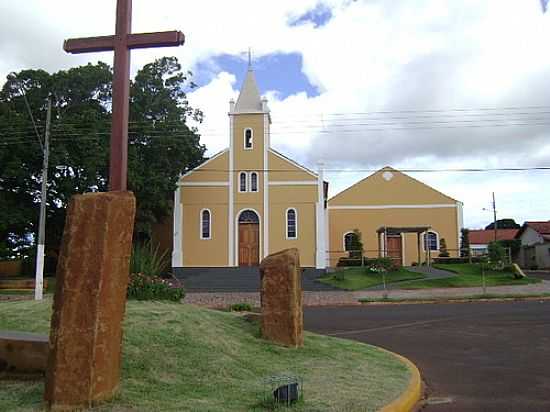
249,239
395,249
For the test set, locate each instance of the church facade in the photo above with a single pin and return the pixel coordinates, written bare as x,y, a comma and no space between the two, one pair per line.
248,201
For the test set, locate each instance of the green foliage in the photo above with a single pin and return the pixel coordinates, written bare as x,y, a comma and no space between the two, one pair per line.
443,252
143,287
381,264
496,255
348,262
464,242
148,260
513,244
161,145
356,246
503,224
240,307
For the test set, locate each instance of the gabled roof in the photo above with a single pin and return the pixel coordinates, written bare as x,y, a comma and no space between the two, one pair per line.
293,162
363,184
249,98
541,227
484,237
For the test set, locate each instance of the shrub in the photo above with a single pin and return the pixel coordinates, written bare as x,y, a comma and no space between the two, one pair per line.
443,252
346,261
147,259
496,255
454,260
240,307
385,263
143,287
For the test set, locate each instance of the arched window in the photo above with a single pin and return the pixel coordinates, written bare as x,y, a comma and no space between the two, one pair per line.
253,182
248,139
291,224
206,224
350,239
242,182
431,241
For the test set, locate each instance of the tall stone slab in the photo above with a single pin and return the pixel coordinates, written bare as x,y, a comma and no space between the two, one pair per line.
90,299
281,298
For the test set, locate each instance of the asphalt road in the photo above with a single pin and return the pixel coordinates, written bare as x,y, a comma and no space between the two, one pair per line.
472,356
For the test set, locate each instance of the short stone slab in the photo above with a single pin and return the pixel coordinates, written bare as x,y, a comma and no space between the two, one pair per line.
23,355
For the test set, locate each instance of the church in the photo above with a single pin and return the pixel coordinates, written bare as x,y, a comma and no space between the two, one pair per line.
249,201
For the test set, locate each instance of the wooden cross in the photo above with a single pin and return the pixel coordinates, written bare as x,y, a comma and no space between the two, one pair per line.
122,42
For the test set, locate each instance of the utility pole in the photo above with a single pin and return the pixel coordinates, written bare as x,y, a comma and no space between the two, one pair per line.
495,216
39,282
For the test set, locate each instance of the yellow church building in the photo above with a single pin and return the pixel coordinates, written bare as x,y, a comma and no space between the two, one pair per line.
249,201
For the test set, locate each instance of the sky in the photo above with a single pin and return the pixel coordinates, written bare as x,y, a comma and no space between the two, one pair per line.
357,85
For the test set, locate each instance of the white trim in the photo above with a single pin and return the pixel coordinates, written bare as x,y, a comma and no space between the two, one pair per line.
293,183
295,223
177,243
237,233
266,186
209,224
299,166
432,206
245,182
204,164
320,259
459,224
203,184
251,139
402,249
257,182
230,209
437,238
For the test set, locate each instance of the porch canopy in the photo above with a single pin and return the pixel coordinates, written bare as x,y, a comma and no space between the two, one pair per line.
397,231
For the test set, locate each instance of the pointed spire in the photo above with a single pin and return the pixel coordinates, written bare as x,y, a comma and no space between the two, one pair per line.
249,98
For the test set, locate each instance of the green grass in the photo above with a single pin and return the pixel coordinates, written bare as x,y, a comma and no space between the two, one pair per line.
182,358
468,275
358,278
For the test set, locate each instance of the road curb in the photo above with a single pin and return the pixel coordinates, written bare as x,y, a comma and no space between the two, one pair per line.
410,398
455,300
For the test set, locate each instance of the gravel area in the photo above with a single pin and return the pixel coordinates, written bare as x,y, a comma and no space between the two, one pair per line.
221,300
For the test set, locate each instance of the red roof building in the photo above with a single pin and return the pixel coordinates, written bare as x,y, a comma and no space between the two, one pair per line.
484,237
535,245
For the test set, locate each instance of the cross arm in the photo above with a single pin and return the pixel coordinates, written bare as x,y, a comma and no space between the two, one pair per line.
161,39
89,44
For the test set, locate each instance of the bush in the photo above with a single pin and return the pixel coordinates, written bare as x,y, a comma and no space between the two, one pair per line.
496,255
443,252
454,260
346,261
147,259
385,263
240,307
143,287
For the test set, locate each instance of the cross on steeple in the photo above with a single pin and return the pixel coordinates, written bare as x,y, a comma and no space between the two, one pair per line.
122,42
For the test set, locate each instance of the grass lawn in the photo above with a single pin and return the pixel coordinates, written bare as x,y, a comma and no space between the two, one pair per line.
182,358
468,275
358,278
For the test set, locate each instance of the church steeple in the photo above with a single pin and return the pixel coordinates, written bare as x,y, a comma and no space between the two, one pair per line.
249,100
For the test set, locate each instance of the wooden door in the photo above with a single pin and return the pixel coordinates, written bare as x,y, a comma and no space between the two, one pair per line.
395,249
249,244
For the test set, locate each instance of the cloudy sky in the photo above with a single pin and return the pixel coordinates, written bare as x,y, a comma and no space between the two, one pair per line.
415,84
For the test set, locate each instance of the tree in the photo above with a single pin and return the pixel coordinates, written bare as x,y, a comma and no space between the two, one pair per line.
503,224
161,145
496,255
356,245
443,252
464,242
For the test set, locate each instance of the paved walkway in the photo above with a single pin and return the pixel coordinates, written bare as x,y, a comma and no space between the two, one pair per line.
334,298
534,288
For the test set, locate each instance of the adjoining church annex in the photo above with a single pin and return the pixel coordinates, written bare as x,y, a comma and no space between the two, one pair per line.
249,201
